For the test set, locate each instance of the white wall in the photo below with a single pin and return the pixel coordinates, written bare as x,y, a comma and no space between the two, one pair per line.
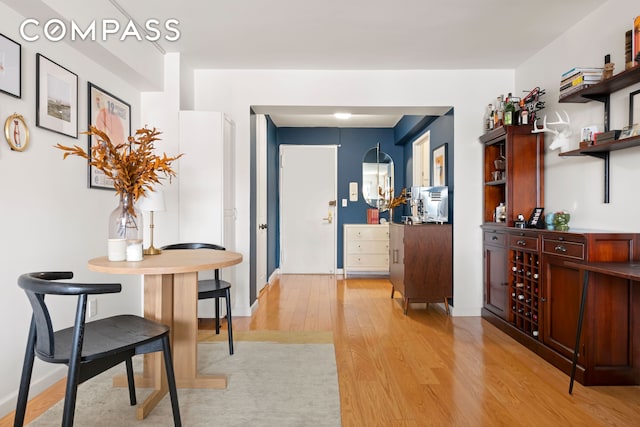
234,91
49,219
576,183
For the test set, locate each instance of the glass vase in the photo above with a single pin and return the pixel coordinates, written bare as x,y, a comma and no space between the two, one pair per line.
125,231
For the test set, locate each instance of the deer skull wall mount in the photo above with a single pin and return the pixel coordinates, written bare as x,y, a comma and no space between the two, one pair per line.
561,134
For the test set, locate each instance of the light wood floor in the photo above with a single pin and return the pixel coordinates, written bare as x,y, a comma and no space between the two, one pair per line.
427,368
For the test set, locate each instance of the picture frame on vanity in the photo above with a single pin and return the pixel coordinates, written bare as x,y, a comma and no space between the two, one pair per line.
56,97
111,115
439,165
10,67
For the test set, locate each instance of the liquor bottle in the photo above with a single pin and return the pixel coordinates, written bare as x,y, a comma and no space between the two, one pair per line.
508,111
500,110
520,297
524,114
487,118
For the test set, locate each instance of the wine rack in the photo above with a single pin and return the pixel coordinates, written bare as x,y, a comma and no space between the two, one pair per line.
525,291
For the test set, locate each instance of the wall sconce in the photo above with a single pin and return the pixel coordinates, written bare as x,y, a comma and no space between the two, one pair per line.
152,202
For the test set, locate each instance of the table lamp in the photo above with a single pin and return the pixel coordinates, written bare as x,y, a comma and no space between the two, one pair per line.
152,202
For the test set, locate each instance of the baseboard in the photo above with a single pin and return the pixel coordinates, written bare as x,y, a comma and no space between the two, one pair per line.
38,386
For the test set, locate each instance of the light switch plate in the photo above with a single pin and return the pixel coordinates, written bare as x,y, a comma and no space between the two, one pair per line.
353,191
344,203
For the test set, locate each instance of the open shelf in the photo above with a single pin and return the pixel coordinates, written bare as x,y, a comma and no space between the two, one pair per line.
601,90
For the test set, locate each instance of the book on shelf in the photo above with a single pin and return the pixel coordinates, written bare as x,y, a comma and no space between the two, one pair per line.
574,71
580,80
577,78
572,89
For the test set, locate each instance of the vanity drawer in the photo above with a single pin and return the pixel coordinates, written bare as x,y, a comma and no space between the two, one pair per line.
369,247
563,248
523,242
376,232
368,260
494,238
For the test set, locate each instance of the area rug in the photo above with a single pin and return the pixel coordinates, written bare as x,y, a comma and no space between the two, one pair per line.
271,382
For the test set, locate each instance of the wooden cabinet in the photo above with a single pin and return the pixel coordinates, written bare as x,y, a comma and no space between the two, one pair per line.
421,262
521,188
608,340
543,300
366,249
495,271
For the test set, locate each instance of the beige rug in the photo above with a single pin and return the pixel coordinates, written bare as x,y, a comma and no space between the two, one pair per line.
275,379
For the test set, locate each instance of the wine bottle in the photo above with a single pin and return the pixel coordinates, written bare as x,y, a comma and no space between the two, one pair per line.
509,110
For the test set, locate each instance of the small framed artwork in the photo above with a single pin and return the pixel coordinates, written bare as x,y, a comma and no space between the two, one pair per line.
112,116
626,132
535,220
634,108
439,163
16,132
10,67
56,97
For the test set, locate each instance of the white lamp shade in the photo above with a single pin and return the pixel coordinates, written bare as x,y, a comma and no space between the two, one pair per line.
153,201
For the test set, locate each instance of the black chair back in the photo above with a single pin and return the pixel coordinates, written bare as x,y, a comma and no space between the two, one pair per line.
37,285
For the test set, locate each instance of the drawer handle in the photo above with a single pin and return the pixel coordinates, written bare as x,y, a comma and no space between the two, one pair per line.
395,256
521,243
560,248
494,237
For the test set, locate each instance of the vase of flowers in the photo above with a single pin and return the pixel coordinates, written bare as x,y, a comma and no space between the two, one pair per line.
134,169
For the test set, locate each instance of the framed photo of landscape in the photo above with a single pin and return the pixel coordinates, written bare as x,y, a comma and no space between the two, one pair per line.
10,67
112,116
56,97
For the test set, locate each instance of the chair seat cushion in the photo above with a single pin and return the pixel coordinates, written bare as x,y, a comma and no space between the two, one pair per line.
212,288
107,336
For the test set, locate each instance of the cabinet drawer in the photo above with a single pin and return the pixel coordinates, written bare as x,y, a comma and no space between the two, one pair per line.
367,233
494,238
523,242
368,247
368,260
573,250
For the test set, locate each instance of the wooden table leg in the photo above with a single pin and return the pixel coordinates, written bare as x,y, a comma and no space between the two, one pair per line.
158,306
185,336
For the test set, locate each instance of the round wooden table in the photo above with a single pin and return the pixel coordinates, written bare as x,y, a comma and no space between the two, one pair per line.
171,298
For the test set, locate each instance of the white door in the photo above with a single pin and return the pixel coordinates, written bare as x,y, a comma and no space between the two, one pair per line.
308,177
261,190
421,161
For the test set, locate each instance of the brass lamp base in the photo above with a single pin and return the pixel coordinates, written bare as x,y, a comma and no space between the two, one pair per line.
152,251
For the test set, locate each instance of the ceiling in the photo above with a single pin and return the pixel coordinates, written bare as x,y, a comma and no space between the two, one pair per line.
346,34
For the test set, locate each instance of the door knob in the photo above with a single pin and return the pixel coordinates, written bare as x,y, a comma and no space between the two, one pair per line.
329,219
262,226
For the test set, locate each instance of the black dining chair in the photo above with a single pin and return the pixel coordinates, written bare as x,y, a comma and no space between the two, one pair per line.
212,288
88,348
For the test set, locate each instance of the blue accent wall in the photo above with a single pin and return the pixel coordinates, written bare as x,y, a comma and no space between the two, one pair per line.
441,133
353,144
273,197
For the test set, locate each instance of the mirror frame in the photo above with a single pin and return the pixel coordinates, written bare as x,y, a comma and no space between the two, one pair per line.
384,179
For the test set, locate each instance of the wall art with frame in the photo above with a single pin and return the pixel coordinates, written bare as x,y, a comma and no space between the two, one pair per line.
634,108
56,97
439,165
112,116
10,67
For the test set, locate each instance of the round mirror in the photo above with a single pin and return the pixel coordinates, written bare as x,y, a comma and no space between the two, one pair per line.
377,178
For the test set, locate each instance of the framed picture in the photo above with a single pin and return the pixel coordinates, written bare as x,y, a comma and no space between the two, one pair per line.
10,67
112,116
536,220
439,161
634,108
16,132
56,97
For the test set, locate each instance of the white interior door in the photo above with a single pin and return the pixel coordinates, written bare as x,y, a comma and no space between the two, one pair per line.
261,189
308,176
